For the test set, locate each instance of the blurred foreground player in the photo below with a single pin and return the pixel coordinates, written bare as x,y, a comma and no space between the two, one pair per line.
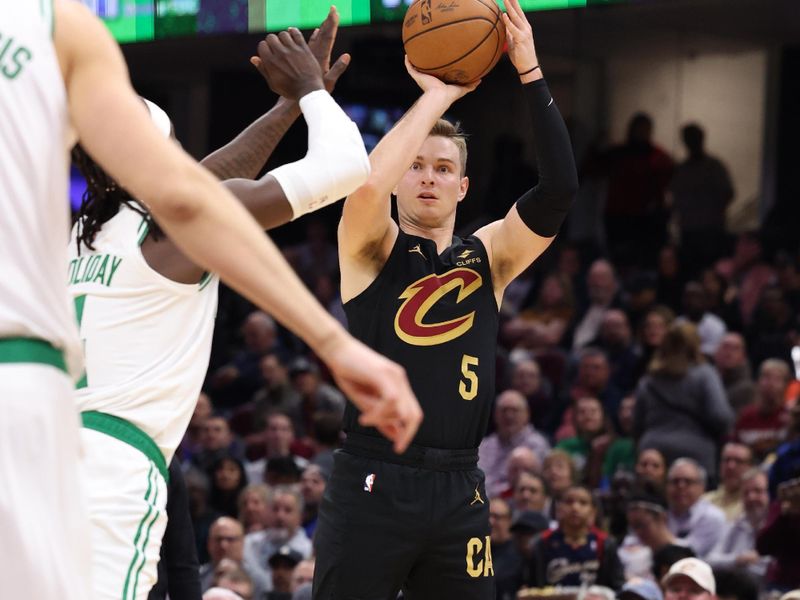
419,521
53,91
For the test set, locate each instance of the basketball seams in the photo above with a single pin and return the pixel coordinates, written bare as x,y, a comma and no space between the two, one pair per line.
463,56
435,27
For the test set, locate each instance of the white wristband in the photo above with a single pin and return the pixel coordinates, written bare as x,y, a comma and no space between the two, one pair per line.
336,163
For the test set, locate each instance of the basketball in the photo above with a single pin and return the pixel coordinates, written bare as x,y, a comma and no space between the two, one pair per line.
458,41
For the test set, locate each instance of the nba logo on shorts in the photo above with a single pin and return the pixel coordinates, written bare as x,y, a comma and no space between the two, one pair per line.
368,482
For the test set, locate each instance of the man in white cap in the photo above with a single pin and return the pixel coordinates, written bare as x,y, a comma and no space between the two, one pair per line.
689,578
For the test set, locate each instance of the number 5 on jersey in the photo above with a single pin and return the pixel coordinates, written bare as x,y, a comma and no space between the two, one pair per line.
468,386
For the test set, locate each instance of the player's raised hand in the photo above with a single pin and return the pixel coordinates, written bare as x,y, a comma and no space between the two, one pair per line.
429,82
519,35
321,44
378,387
288,65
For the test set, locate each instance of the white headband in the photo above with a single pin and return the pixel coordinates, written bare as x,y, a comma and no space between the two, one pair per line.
159,117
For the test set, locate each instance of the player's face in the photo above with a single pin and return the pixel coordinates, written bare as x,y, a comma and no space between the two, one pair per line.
433,185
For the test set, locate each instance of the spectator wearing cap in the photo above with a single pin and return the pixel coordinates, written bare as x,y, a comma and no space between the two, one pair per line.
731,363
689,577
279,438
648,532
506,559
282,563
763,425
285,531
735,460
737,548
692,519
316,396
638,588
312,488
514,429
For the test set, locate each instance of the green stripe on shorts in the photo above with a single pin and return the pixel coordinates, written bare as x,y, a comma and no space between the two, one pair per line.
31,350
129,433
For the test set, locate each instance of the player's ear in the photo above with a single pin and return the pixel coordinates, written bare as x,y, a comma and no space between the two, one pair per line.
463,186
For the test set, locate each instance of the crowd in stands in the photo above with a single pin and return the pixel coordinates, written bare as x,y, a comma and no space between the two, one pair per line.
646,409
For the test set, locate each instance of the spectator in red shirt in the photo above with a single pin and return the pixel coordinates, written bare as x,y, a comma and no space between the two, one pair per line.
762,425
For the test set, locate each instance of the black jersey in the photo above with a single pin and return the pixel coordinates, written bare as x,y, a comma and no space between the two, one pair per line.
435,315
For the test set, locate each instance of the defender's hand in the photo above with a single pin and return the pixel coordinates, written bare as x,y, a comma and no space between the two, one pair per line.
519,35
321,45
378,387
288,65
429,82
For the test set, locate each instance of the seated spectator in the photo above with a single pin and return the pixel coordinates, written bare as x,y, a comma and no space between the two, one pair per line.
666,557
593,379
621,454
282,563
506,559
226,541
216,441
192,439
710,328
694,521
228,479
778,538
773,329
735,584
285,531
690,577
737,548
559,474
736,459
593,437
316,396
670,277
731,363
722,298
653,330
513,429
640,589
603,288
526,378
275,395
681,408
530,494
651,466
235,383
303,574
325,438
279,439
648,531
576,553
616,340
255,507
235,580
615,502
525,526
542,326
203,516
763,425
312,488
521,460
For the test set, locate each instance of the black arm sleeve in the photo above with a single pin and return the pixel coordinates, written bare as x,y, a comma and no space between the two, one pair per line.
178,569
545,207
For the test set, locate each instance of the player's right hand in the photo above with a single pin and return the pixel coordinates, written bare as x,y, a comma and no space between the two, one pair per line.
429,82
378,387
288,65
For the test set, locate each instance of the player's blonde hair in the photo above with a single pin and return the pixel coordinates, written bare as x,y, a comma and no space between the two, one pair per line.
452,131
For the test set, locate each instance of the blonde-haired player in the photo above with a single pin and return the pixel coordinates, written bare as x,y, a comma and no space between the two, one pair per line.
52,90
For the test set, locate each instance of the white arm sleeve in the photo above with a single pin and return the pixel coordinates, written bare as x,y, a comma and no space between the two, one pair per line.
336,163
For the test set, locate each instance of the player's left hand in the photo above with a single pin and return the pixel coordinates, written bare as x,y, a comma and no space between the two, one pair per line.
429,82
519,36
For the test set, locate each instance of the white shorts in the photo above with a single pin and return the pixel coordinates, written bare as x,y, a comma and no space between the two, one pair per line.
44,532
127,498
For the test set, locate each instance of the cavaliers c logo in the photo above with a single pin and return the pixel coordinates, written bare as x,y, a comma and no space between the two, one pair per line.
420,297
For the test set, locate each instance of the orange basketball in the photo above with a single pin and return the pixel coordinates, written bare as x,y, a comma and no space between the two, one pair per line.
458,41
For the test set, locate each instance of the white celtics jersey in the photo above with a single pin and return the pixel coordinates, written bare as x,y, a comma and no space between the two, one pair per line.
34,206
147,339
